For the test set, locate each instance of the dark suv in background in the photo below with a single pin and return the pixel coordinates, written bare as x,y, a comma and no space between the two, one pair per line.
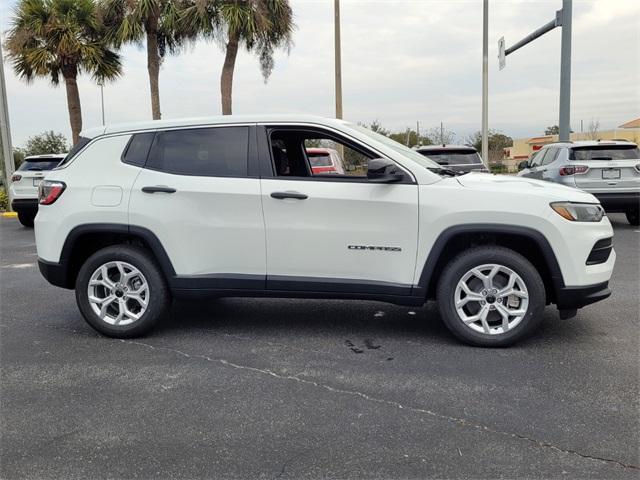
460,158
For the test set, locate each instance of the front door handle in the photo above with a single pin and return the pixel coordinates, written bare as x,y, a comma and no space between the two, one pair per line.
282,195
159,189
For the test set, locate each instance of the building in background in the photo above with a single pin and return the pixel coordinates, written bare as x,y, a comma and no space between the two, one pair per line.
523,147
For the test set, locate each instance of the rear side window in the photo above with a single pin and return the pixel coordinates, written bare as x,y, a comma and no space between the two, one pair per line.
605,152
214,152
452,157
138,149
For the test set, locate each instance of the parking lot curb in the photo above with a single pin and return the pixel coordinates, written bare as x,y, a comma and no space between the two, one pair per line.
9,214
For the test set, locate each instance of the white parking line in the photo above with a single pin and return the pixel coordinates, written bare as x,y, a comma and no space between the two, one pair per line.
19,265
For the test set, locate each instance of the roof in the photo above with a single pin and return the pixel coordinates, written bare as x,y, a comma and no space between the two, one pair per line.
445,147
589,143
205,121
631,124
45,156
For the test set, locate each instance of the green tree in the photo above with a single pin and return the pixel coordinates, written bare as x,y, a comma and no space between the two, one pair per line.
155,21
552,130
498,141
261,26
46,142
54,38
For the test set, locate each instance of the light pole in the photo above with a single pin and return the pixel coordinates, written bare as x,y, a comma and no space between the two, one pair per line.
485,81
338,59
5,131
101,83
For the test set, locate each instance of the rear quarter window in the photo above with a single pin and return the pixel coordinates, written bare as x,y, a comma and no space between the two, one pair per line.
138,149
213,151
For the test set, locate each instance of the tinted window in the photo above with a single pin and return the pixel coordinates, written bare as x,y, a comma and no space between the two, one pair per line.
452,157
82,141
550,156
138,148
38,165
220,151
605,152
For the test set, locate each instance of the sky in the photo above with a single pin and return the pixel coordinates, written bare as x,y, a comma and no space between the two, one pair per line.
402,62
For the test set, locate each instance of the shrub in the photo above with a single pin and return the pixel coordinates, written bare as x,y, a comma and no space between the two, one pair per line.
4,200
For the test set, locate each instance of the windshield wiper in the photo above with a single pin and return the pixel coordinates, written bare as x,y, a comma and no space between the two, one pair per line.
601,158
34,169
446,171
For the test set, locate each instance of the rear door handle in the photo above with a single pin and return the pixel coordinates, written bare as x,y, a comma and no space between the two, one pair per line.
159,189
283,195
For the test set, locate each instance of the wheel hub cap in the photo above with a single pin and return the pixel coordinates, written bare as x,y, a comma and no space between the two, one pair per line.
118,293
491,299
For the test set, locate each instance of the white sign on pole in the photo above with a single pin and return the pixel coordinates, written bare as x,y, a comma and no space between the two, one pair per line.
501,55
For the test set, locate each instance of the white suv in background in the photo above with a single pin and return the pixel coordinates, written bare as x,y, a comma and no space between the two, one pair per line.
203,208
608,169
25,182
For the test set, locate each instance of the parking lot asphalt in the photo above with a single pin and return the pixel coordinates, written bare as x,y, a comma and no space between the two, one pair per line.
263,388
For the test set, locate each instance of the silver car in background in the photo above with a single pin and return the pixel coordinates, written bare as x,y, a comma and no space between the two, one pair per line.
610,170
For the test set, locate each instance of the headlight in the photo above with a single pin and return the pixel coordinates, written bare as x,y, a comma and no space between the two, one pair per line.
579,212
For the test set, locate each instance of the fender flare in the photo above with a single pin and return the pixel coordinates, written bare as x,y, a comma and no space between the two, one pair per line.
426,281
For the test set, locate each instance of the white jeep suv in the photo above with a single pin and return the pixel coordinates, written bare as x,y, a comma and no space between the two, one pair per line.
230,206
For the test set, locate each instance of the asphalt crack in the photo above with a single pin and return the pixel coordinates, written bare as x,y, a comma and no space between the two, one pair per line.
460,421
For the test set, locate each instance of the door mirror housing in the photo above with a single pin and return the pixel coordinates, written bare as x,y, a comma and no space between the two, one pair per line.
524,164
383,171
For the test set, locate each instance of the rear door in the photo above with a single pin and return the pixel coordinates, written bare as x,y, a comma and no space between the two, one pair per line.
197,196
611,167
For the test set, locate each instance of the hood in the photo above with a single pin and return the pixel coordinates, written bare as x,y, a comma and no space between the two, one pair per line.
524,186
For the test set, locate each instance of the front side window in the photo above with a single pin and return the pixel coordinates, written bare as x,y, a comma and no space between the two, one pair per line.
550,156
215,152
310,153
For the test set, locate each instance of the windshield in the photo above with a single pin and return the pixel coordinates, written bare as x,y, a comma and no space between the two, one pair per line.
398,147
38,165
605,152
452,157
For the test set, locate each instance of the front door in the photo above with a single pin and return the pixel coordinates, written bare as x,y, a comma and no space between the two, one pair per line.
335,231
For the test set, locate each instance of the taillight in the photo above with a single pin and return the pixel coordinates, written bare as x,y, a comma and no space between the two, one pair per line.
49,191
574,170
16,178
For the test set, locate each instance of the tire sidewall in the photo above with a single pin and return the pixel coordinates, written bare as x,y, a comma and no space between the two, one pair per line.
500,256
158,292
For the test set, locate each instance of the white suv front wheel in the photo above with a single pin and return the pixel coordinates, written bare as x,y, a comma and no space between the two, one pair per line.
491,296
121,292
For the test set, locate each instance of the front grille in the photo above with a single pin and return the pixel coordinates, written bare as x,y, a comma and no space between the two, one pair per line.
600,251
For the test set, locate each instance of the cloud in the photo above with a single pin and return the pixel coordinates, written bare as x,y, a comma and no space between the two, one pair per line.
403,61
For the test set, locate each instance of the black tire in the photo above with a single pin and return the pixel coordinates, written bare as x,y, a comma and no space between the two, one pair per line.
159,298
26,219
633,217
476,257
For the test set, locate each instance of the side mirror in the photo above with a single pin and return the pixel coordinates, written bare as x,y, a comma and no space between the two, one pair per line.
524,164
383,171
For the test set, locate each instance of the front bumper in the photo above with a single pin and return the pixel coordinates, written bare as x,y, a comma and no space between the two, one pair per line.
29,205
569,298
618,202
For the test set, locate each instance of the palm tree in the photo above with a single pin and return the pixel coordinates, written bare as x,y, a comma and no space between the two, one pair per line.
261,26
154,20
53,38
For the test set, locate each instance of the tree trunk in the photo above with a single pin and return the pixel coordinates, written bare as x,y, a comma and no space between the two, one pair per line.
70,72
153,65
226,79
